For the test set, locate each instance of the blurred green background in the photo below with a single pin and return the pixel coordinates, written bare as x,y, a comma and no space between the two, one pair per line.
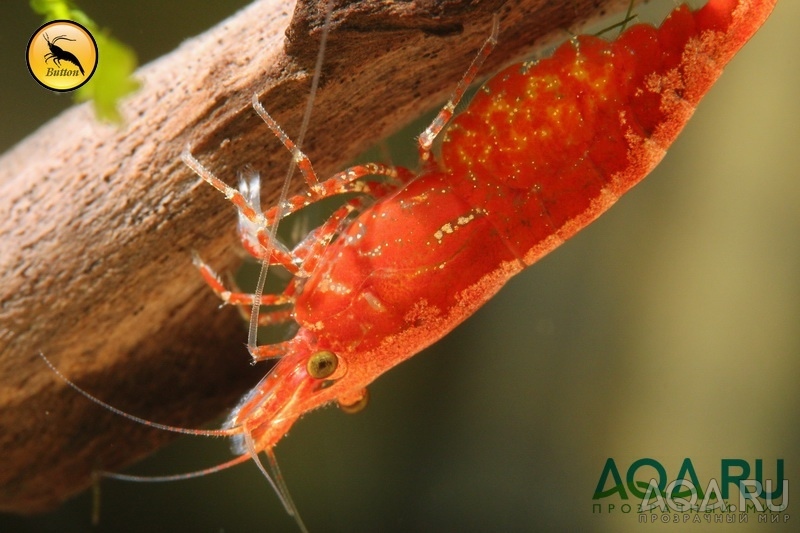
668,329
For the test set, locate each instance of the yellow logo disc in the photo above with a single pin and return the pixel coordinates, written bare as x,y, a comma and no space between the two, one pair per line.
62,55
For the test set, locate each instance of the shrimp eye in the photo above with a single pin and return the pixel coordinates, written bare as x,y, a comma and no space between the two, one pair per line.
322,364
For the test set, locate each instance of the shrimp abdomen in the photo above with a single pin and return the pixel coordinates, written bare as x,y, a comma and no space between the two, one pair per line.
546,147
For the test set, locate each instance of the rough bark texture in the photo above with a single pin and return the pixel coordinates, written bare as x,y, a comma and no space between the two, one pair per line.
98,222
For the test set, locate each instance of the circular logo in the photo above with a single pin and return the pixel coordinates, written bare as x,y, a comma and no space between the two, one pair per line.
62,55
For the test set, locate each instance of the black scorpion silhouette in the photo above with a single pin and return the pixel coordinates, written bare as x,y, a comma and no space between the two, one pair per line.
58,54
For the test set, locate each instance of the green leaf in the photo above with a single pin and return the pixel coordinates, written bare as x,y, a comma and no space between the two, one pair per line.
112,80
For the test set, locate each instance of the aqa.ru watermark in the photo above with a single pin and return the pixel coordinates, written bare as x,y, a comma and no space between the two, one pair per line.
739,495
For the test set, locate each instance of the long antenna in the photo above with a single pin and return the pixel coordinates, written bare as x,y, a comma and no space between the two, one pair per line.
274,475
227,432
252,334
177,477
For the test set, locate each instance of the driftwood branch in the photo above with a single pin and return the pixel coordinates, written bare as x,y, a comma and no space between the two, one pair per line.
98,222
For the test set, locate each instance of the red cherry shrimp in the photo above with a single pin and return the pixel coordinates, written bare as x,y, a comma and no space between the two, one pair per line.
541,151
